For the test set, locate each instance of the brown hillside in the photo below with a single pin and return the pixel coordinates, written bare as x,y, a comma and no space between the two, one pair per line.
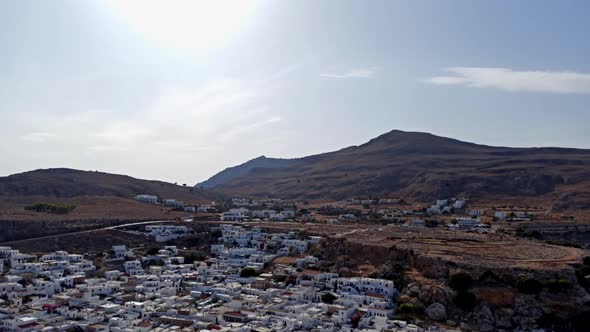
425,166
68,183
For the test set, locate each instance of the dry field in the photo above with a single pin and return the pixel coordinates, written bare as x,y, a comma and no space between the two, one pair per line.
489,250
87,207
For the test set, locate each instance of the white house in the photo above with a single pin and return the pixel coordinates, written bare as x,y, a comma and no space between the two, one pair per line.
434,209
133,268
366,285
459,204
441,202
147,199
475,212
467,223
299,245
235,215
263,213
500,215
417,223
173,203
278,217
120,251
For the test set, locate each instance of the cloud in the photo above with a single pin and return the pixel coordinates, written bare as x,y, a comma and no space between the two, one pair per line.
353,73
190,123
510,80
238,131
37,137
108,148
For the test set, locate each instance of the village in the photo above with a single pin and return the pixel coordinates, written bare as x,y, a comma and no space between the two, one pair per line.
262,271
451,213
236,288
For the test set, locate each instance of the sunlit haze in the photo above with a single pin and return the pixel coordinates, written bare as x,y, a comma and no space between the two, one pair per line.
179,90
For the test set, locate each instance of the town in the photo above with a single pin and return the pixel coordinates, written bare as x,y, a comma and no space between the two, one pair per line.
236,288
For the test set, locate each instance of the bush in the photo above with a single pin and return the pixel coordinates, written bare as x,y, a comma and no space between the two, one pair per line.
529,286
191,258
153,251
465,301
431,223
280,278
216,233
247,272
460,281
409,308
328,298
51,208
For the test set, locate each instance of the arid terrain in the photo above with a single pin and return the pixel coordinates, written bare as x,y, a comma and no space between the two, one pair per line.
484,251
419,166
66,183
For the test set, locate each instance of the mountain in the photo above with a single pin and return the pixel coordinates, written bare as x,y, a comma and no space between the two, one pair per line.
67,183
420,166
231,173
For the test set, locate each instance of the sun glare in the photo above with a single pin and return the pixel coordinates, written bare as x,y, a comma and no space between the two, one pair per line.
184,25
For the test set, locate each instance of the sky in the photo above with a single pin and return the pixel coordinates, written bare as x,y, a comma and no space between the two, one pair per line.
179,90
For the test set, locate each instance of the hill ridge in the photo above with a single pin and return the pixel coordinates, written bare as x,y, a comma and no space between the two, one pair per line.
417,165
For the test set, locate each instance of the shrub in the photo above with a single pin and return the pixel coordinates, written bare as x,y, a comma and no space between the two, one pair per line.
191,258
556,285
564,284
328,298
431,223
465,301
215,234
247,272
152,251
280,278
51,208
409,308
460,281
529,286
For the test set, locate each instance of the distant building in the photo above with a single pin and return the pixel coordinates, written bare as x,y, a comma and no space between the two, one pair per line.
459,204
417,223
475,213
234,215
173,203
467,223
147,199
500,215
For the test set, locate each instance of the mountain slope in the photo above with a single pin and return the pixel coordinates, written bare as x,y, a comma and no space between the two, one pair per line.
231,173
67,183
421,166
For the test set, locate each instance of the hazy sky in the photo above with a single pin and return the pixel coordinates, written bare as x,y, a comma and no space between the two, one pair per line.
179,90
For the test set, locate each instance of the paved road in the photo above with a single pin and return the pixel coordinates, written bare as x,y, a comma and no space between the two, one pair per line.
90,231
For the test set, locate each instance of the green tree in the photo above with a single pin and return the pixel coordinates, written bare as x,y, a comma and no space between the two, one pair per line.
328,298
216,233
409,308
529,286
247,272
465,300
460,281
152,251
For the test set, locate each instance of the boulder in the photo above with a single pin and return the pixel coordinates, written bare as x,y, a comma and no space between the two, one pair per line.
484,318
414,290
437,311
425,295
504,318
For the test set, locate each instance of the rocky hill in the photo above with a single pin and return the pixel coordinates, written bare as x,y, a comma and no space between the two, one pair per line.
231,173
421,166
68,183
